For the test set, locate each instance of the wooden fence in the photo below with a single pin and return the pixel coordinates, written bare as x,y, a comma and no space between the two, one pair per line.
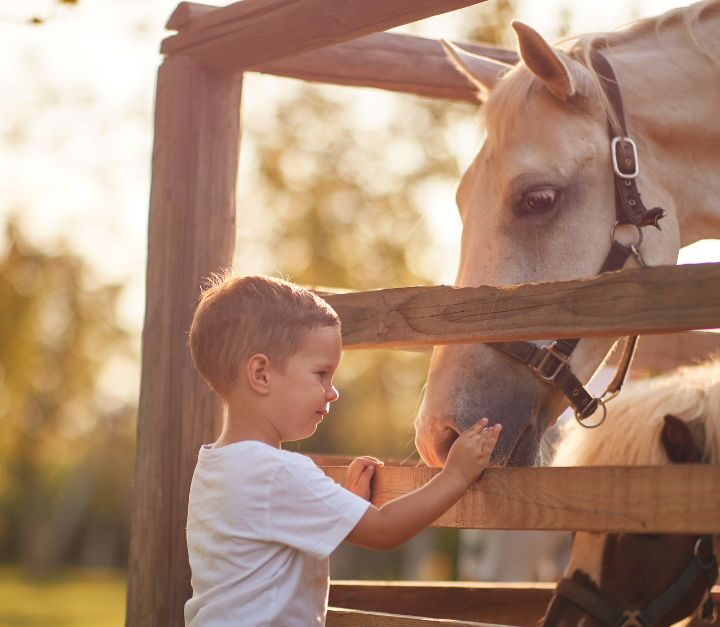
192,234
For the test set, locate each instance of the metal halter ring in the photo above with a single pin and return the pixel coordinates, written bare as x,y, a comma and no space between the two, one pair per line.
600,405
635,246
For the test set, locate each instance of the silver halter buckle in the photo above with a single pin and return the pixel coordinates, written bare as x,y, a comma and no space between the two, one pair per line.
616,166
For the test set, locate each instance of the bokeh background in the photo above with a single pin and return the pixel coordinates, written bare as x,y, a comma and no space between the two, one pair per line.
339,187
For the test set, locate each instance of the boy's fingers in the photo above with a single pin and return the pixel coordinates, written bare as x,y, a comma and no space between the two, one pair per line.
477,427
372,460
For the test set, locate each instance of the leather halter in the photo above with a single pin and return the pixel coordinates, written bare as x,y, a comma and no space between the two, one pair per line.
613,616
550,362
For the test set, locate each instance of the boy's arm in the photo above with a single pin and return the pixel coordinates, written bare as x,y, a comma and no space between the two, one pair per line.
387,527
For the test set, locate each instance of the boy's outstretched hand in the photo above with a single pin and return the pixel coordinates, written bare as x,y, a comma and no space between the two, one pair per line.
470,453
359,473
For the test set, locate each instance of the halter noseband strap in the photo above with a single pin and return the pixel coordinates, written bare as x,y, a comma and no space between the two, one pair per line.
550,363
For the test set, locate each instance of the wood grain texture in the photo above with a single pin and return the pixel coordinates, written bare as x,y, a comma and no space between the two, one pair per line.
506,603
512,604
251,32
639,499
390,61
645,300
339,617
191,234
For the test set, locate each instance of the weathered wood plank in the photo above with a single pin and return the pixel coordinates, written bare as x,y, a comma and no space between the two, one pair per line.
390,61
507,603
512,604
339,617
195,160
644,300
247,33
639,499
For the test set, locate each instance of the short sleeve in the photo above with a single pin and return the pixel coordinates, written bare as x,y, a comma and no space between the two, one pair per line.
308,510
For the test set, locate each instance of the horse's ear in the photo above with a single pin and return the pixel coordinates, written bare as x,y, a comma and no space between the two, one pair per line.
678,441
545,62
483,72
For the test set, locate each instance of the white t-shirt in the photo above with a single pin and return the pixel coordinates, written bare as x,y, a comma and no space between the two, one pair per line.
262,523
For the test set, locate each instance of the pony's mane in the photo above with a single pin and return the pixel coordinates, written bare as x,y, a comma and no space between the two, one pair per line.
508,99
631,434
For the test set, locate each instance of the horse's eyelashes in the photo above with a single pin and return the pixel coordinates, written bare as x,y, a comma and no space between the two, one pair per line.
537,201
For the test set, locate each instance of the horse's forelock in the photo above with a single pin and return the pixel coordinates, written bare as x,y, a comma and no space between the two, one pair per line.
631,432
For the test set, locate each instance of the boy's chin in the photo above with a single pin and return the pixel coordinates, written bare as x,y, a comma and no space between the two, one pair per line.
296,437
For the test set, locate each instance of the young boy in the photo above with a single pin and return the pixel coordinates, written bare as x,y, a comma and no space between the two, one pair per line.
263,521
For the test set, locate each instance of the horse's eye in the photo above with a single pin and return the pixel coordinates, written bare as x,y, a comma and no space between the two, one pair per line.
537,201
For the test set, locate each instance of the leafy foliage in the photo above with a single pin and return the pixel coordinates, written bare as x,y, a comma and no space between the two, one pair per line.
65,449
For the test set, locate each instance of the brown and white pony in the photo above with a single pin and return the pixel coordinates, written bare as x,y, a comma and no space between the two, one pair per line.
537,203
674,418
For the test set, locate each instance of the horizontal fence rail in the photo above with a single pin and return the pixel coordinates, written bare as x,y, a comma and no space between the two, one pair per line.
505,603
390,61
339,617
622,499
251,32
644,300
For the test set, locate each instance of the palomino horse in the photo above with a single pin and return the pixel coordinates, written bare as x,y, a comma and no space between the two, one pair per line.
647,579
537,203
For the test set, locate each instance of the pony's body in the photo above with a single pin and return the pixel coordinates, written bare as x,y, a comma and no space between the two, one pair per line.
630,570
537,203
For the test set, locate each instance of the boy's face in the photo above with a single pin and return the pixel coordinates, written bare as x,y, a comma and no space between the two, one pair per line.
303,390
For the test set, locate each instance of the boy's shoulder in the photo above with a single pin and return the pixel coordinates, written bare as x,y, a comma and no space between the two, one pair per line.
252,453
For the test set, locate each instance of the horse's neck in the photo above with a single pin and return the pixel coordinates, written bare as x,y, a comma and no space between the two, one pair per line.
671,92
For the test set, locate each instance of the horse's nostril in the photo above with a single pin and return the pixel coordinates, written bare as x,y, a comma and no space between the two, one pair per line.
445,441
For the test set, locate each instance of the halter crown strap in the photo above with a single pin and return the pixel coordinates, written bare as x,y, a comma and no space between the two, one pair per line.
629,207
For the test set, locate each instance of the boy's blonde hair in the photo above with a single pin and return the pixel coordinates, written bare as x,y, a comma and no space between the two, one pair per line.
239,316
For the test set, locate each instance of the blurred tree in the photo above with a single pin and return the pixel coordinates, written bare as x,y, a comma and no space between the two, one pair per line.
65,449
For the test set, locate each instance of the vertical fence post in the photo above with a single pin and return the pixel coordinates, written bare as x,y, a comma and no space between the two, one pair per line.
191,234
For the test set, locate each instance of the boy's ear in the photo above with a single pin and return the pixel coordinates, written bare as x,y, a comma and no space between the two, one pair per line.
257,371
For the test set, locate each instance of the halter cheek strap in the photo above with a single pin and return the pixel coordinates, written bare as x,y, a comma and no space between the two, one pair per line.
702,566
550,363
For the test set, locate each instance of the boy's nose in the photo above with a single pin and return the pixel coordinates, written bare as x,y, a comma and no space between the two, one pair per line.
332,394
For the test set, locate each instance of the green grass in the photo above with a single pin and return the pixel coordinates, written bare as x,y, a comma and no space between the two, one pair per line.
78,598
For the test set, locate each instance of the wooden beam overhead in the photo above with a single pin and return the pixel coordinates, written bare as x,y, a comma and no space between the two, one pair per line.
621,499
390,61
252,32
643,300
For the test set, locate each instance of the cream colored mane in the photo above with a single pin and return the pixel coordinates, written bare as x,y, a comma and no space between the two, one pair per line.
631,432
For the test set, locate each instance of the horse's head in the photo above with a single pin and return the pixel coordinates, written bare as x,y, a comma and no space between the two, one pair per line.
664,576
537,204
